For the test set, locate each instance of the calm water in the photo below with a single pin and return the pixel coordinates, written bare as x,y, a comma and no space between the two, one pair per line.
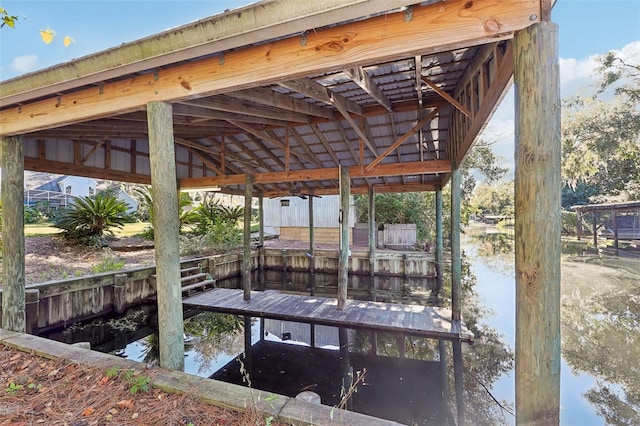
601,344
600,381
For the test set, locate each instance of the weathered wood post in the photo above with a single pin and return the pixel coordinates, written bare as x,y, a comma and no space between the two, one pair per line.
312,253
456,288
439,244
261,241
615,233
595,230
343,264
538,224
166,227
579,224
248,353
246,253
13,301
456,260
372,241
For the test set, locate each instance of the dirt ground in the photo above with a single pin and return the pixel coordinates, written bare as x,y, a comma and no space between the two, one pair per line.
39,391
50,257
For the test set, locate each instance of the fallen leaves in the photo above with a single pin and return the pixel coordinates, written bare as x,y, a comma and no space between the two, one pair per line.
59,393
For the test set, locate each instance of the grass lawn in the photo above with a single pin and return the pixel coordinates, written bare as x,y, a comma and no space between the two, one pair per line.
128,230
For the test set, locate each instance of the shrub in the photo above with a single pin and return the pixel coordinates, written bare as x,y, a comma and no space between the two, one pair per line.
90,218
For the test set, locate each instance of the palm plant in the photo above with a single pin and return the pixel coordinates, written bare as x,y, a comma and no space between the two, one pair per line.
145,196
92,216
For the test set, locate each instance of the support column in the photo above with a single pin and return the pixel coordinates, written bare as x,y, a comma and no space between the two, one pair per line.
312,253
538,224
119,293
595,231
372,241
343,264
579,224
456,261
166,227
615,233
439,244
261,242
246,253
32,311
13,302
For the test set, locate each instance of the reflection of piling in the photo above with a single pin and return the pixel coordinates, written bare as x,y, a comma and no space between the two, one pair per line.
248,364
345,365
442,349
458,378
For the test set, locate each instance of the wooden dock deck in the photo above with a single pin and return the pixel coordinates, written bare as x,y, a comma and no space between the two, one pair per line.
425,321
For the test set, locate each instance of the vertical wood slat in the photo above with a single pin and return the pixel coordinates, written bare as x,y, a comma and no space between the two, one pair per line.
538,224
343,264
13,292
166,234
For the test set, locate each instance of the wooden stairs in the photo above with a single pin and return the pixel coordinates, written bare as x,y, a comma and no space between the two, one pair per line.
191,279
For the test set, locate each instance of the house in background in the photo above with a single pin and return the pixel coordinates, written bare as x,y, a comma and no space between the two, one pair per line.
78,186
288,217
71,185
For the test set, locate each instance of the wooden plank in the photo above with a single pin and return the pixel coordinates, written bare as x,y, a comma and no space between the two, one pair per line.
317,91
366,83
434,27
417,320
227,104
343,262
447,97
246,252
278,100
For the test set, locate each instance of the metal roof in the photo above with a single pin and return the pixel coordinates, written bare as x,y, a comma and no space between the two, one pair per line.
359,109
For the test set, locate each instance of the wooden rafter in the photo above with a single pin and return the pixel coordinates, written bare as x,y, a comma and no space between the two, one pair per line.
364,189
227,104
323,140
261,135
366,83
447,97
342,107
402,139
208,114
92,151
278,100
317,91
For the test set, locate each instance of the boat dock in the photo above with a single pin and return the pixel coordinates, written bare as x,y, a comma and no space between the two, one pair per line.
417,320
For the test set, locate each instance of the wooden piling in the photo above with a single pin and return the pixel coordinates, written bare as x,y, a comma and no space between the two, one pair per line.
439,244
13,299
538,224
456,260
261,283
615,234
246,246
166,227
343,264
372,235
312,253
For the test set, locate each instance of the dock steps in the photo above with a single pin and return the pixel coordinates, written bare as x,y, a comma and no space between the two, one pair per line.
191,279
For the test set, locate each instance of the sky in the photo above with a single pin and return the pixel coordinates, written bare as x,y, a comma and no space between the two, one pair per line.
588,28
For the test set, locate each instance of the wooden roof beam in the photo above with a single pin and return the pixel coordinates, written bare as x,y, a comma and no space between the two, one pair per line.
433,27
278,100
227,104
366,83
364,189
410,168
208,114
311,89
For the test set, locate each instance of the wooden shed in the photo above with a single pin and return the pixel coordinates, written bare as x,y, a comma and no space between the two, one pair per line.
328,97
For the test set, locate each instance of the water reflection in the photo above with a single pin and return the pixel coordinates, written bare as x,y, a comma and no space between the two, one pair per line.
600,326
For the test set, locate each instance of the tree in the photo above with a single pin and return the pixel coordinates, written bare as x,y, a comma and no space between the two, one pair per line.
601,139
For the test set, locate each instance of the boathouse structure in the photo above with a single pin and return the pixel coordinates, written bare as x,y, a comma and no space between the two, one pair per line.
325,97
